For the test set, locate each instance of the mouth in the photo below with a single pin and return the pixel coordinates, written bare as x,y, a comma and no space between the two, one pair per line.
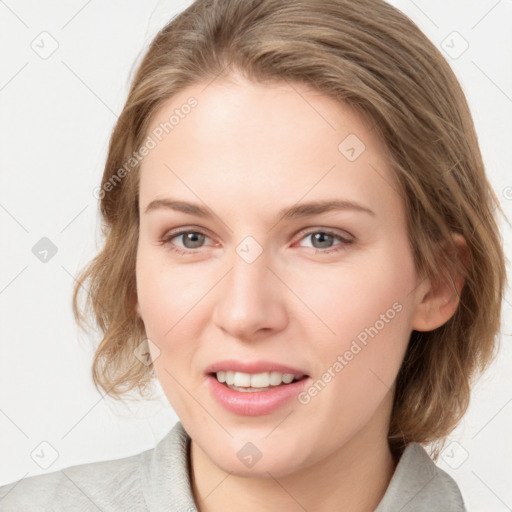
254,387
255,382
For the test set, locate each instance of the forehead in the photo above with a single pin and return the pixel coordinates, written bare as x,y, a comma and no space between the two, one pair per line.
264,146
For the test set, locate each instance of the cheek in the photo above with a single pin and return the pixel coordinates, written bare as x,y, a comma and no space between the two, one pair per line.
166,295
172,303
368,311
166,298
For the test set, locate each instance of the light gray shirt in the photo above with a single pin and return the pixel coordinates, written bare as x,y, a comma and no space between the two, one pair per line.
157,480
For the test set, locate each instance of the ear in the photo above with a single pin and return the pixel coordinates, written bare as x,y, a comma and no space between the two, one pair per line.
438,298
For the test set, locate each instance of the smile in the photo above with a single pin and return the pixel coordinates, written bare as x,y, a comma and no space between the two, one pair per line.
242,381
253,400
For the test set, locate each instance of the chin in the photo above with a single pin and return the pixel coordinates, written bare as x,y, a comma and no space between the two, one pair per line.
262,469
246,459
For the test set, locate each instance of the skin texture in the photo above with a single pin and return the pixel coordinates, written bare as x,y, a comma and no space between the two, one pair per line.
246,151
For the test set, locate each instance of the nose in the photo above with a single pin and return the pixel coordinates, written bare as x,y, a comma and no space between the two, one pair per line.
250,299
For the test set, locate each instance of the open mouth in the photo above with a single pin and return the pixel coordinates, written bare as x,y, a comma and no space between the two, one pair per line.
255,394
246,382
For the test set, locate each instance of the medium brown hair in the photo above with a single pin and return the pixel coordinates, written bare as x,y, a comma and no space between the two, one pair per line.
372,57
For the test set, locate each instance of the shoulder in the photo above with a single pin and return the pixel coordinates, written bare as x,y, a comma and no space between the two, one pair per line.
107,485
419,485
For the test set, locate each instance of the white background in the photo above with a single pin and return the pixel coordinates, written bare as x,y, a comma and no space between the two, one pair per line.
57,116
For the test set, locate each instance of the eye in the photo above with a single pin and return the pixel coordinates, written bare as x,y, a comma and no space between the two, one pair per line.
191,239
322,240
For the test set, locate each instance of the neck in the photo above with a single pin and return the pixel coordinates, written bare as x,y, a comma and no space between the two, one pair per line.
356,475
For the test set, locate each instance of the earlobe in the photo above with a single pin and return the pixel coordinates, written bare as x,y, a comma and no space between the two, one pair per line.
439,298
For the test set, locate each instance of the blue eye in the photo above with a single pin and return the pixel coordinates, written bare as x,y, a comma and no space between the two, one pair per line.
323,237
193,239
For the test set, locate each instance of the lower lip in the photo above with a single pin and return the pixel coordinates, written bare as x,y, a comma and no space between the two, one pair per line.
255,403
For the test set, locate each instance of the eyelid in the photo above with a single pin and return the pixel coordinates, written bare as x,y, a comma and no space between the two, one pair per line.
331,231
186,229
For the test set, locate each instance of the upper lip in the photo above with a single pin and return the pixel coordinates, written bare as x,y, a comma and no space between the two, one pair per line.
253,367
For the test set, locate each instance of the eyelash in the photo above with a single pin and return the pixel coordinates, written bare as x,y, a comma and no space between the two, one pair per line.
166,241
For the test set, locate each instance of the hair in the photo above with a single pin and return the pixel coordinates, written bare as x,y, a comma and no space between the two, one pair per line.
372,57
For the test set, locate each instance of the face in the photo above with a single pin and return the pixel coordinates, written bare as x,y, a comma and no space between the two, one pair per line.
327,295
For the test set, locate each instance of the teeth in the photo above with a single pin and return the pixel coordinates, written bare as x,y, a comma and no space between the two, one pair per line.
242,380
256,380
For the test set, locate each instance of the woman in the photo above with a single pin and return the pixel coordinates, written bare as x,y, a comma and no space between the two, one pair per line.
300,244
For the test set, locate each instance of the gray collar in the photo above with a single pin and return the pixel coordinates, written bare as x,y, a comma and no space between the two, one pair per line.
417,485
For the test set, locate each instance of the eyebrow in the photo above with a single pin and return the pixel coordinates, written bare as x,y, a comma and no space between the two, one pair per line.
293,212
